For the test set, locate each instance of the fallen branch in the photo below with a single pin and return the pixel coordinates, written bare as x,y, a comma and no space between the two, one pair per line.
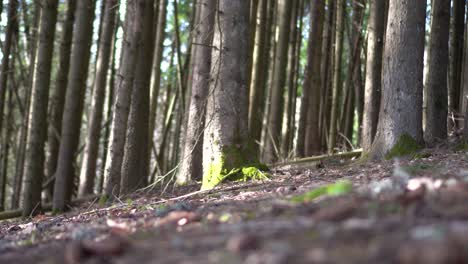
348,155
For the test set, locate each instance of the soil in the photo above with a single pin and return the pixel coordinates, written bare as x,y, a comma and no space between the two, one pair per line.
412,210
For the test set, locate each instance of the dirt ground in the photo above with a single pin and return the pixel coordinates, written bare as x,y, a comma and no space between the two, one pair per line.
412,210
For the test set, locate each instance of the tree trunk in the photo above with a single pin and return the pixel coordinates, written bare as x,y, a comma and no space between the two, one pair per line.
73,108
135,167
156,75
191,166
373,83
400,118
456,59
6,51
6,148
130,50
226,136
58,98
336,88
436,78
277,87
259,75
88,167
37,131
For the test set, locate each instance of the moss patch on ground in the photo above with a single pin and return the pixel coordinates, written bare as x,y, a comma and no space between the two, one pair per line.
232,165
340,187
405,145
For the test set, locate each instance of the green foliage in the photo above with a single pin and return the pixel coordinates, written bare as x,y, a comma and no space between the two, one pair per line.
405,145
340,187
103,200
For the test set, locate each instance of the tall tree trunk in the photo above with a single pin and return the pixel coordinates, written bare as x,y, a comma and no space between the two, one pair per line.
259,75
22,137
336,89
37,131
191,166
130,50
456,59
310,91
73,109
226,136
135,167
6,52
156,75
6,148
88,167
277,87
373,84
400,118
287,114
436,78
325,71
58,98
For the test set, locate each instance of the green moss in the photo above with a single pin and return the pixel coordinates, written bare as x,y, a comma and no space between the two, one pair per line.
405,145
103,200
235,168
338,188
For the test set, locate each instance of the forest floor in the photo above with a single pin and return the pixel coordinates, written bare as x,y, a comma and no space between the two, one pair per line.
412,210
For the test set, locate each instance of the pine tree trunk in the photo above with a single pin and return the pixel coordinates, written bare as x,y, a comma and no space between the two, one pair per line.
400,118
58,98
456,59
88,167
73,109
259,75
37,131
6,51
156,75
277,87
373,84
226,136
336,86
436,78
6,149
135,167
130,50
191,167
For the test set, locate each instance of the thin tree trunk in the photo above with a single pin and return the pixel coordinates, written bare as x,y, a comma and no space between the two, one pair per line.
375,41
191,166
279,78
7,47
130,50
135,167
156,75
37,131
456,59
88,167
58,99
259,75
436,78
6,149
73,109
336,89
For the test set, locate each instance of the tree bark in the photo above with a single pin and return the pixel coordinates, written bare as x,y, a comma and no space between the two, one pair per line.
130,50
436,78
135,167
191,166
456,59
73,108
259,75
277,87
400,118
373,83
58,98
225,139
336,86
37,131
88,167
